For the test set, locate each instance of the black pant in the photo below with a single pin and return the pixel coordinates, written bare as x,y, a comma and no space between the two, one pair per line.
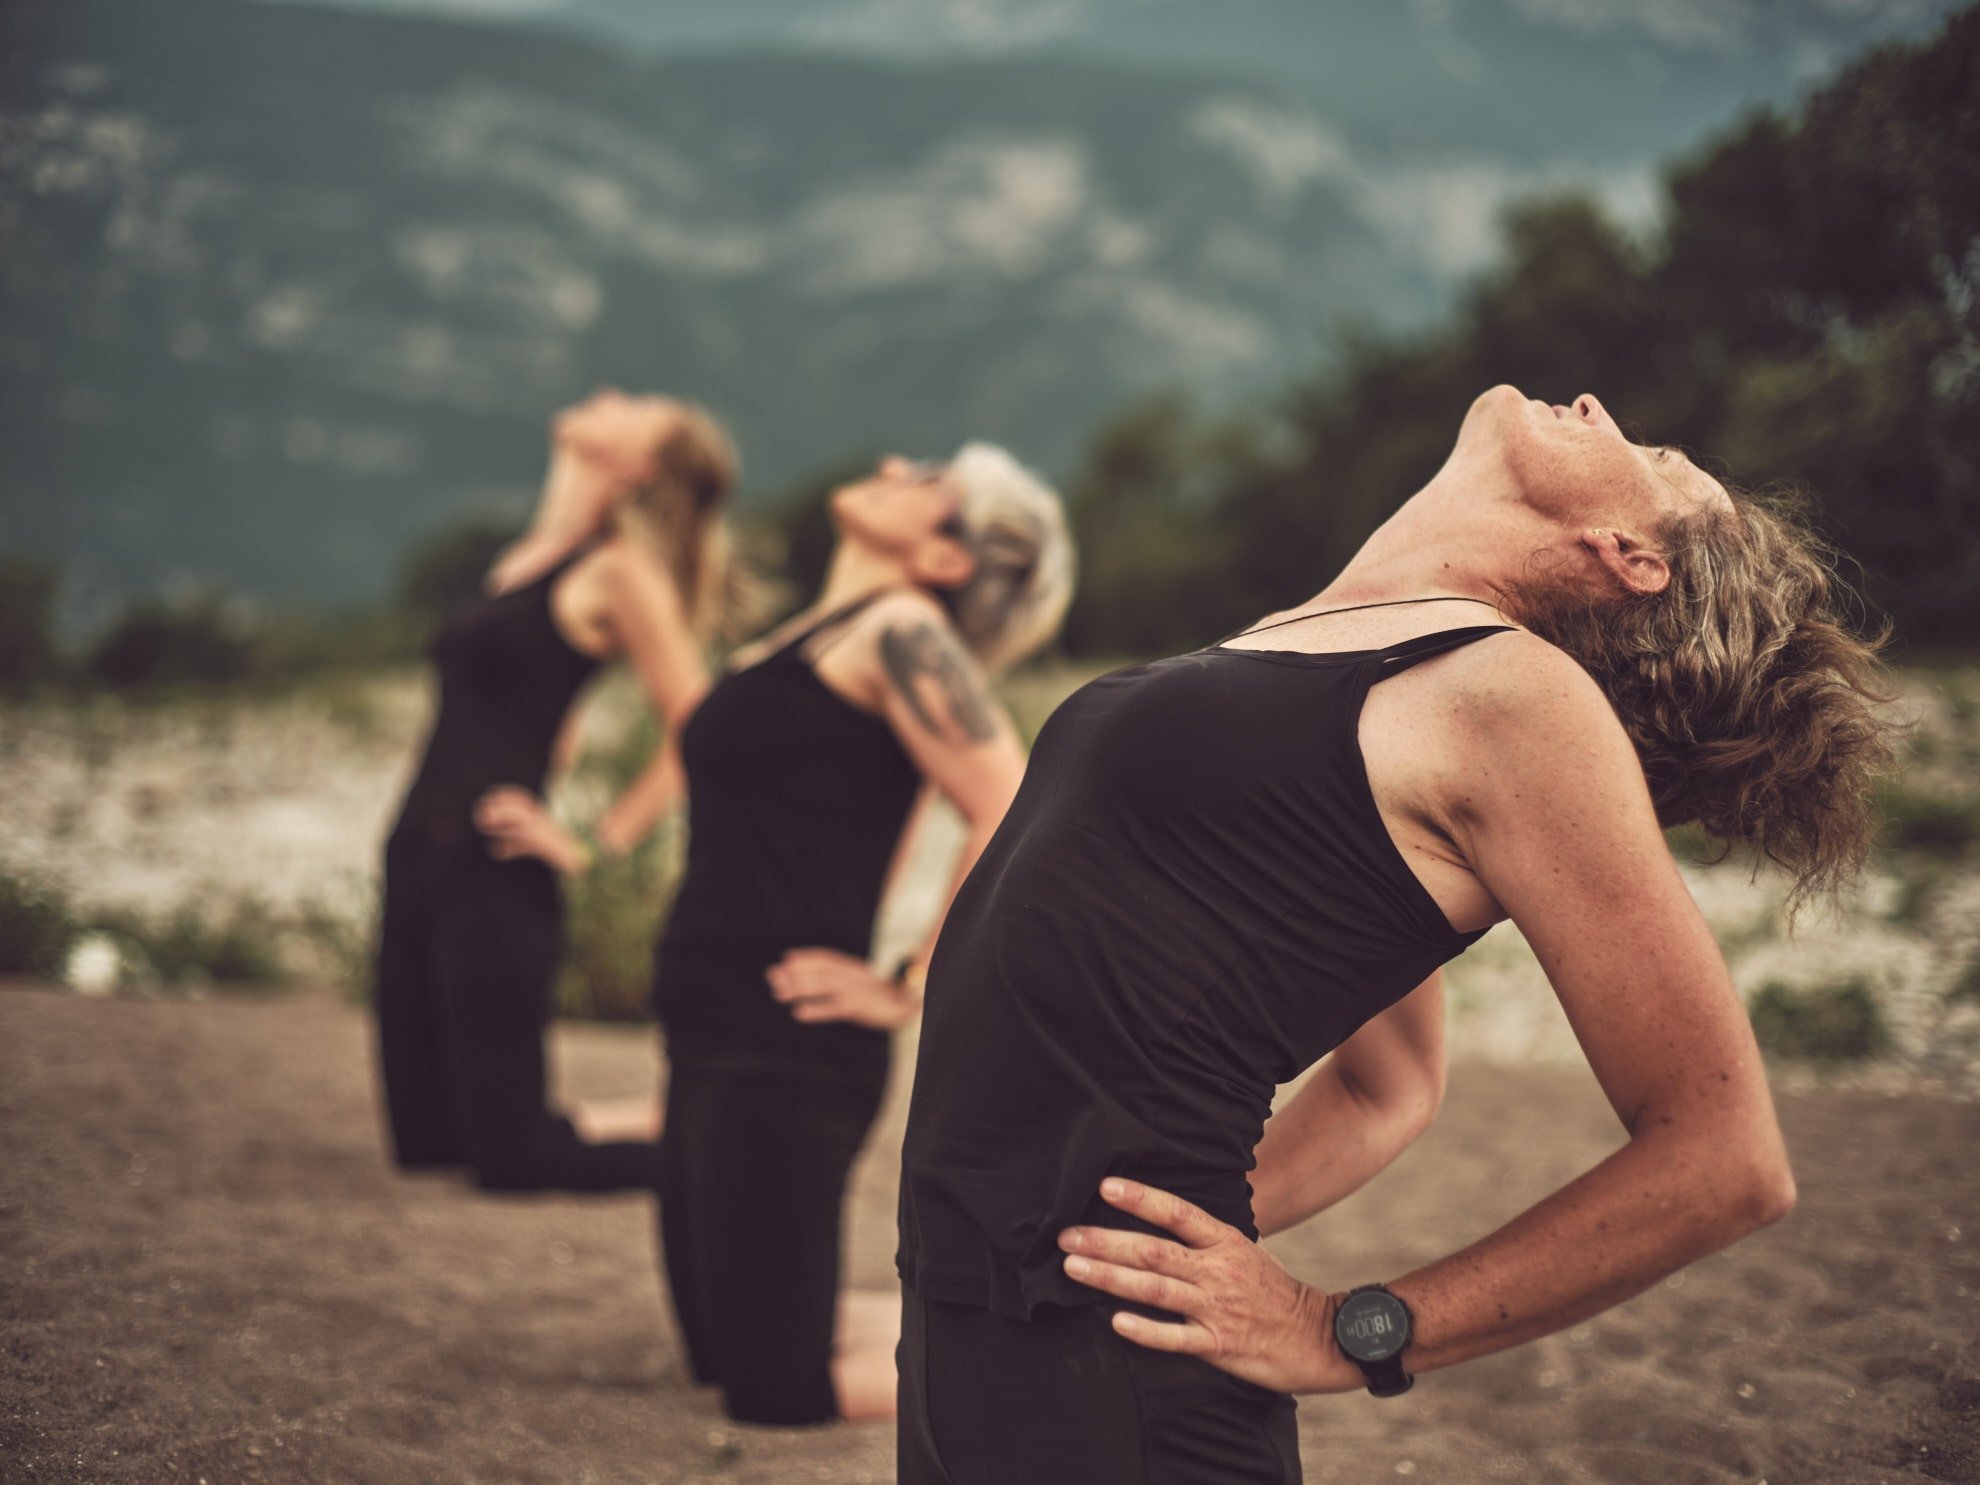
468,953
1061,1399
752,1186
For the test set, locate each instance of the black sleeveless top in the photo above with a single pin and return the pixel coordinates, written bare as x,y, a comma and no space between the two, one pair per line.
796,799
1192,899
507,676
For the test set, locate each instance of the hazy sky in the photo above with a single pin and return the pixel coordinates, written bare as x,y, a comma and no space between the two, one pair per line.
1712,26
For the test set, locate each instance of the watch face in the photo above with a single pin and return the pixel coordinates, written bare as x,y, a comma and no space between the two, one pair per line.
1371,1326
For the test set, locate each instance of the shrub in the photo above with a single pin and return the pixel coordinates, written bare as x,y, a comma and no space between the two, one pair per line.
1931,823
1831,1022
444,571
197,638
614,910
243,947
337,946
1967,987
29,655
36,926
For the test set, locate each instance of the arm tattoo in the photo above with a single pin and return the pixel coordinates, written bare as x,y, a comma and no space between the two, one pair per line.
924,664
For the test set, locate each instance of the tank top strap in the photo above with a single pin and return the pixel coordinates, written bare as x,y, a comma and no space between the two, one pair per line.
1396,658
838,616
1352,608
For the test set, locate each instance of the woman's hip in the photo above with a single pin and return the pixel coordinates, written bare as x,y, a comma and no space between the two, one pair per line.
1062,1398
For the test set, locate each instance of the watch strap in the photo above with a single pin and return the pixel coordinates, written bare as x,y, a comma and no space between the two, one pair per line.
1387,1378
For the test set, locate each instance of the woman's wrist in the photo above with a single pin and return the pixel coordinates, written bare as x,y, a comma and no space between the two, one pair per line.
910,982
581,851
1335,1370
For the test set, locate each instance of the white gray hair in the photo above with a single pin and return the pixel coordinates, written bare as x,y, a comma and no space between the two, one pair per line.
1015,526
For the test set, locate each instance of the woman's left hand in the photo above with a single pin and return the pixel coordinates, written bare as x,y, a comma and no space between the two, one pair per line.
825,985
1241,1310
518,826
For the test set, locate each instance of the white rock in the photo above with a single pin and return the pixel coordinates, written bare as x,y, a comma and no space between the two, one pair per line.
95,965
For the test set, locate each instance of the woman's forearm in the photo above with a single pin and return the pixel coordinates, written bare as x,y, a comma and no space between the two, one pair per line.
1327,1142
1654,1206
973,847
653,794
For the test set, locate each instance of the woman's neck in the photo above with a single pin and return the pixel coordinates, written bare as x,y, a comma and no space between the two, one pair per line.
1451,538
856,571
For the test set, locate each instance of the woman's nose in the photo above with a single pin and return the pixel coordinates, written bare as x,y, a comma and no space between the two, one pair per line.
894,466
1588,409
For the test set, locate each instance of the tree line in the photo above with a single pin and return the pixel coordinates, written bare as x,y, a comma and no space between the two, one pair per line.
1805,314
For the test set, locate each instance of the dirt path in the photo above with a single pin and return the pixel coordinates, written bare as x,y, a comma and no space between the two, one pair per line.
208,1274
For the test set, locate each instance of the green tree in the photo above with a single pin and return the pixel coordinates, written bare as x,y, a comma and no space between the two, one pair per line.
1810,313
443,572
199,637
1155,559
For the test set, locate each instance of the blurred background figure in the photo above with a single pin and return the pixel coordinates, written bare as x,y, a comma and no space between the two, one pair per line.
624,558
804,763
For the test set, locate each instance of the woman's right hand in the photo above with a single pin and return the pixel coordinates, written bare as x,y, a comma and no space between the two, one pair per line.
518,827
1240,1310
826,985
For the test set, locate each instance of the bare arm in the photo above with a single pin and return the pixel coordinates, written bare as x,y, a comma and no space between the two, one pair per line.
576,498
1361,1108
940,706
907,660
570,738
651,625
1564,837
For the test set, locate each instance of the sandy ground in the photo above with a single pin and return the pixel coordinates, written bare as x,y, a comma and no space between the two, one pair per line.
208,1274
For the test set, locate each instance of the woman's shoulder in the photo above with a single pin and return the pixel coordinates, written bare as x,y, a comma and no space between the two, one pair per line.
1519,687
1520,726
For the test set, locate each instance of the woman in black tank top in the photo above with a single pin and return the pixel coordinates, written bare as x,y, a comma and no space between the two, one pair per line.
804,762
1224,865
621,558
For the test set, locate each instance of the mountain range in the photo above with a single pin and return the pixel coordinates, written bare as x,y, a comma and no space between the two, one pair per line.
284,286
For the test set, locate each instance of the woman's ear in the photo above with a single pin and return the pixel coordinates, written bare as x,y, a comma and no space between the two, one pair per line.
1636,566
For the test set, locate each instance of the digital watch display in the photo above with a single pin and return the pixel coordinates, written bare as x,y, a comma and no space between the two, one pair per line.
1372,1327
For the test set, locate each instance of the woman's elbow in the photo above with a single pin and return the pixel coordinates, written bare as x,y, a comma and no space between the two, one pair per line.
1770,1195
1427,1102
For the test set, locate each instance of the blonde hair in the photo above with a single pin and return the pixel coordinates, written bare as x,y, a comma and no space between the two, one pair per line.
1015,526
677,516
1755,708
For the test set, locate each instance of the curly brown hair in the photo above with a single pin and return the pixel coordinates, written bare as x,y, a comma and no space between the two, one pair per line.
1755,706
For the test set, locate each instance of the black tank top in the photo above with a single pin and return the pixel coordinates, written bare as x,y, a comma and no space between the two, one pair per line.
507,676
796,799
1192,899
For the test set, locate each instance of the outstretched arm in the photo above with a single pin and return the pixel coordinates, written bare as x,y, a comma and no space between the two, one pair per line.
1361,1108
1564,837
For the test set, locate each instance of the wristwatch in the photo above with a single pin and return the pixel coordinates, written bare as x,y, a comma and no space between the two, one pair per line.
1372,1327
